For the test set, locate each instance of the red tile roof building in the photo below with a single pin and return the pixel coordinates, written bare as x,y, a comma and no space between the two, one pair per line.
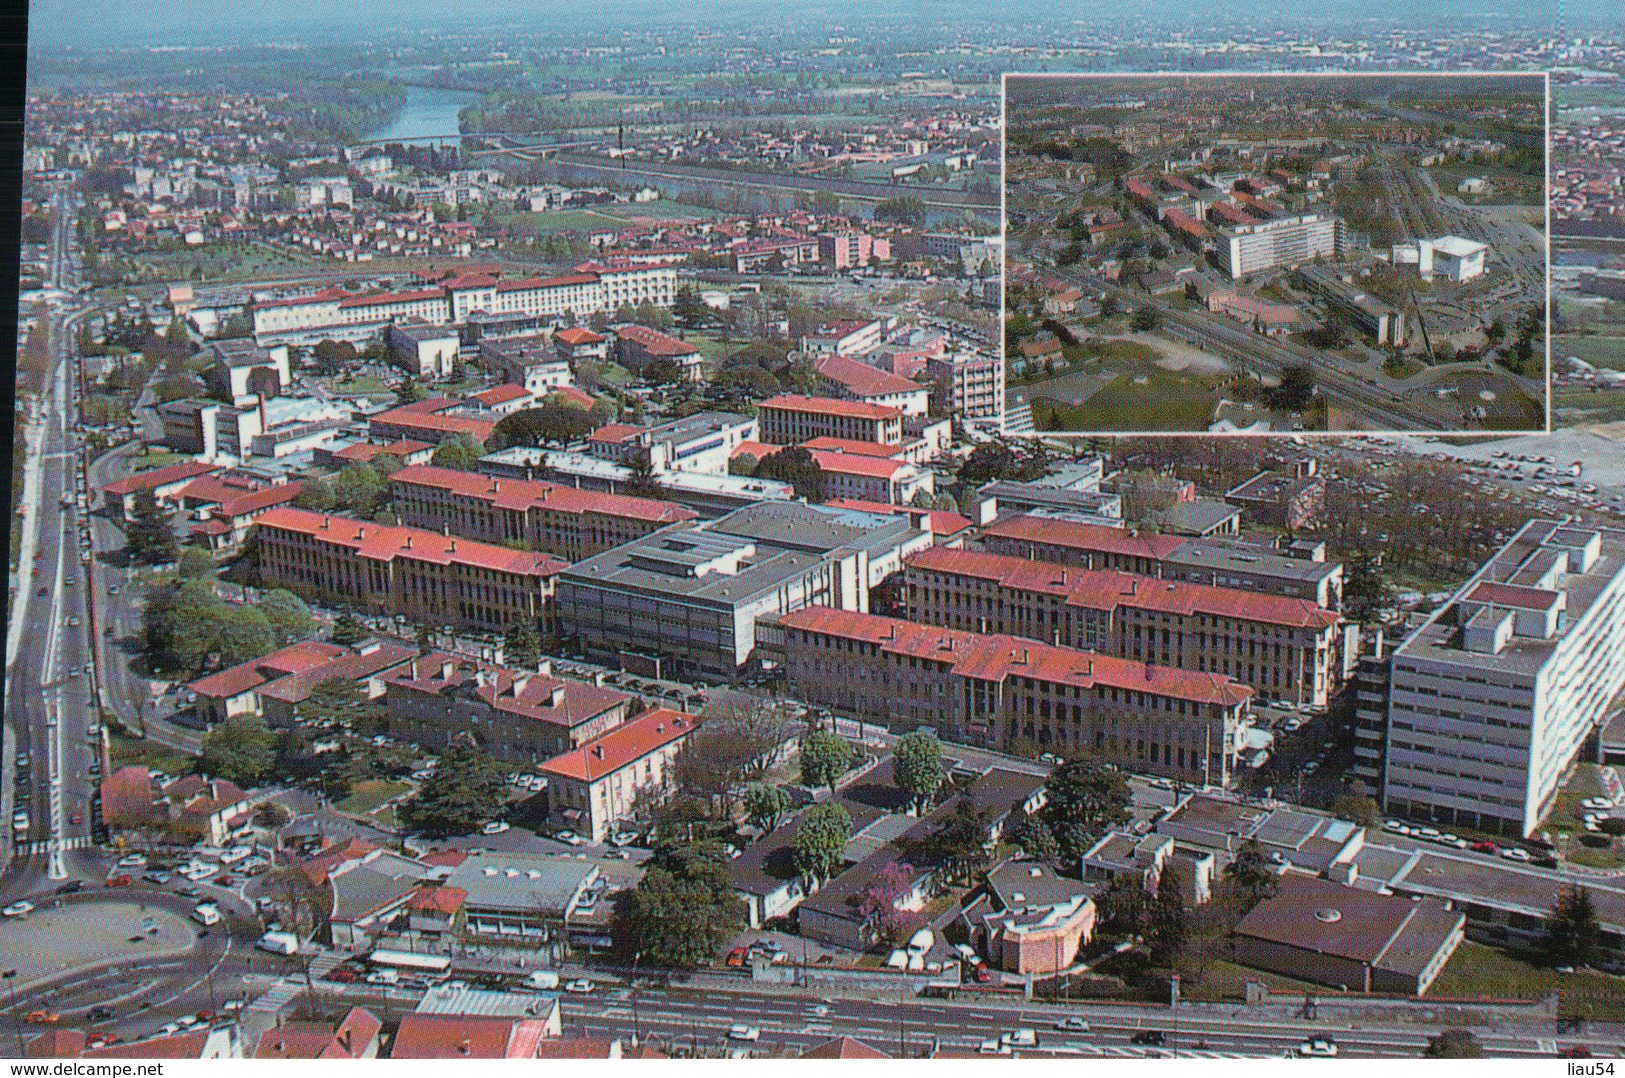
225,505
523,716
860,475
428,421
994,689
431,578
164,483
191,807
592,788
461,1036
848,379
638,346
566,521
355,1037
790,419
232,691
1286,649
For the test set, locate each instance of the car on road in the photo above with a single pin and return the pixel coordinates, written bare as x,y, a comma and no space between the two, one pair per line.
76,818
122,879
42,1018
1482,846
100,1013
739,1031
1323,1047
1515,853
570,838
1020,1038
1073,1024
20,908
1149,1036
495,827
156,875
580,986
71,887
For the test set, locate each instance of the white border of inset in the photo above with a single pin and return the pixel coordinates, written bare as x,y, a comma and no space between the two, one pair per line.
1004,164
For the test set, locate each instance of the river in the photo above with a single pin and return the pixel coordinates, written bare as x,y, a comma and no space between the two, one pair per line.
427,113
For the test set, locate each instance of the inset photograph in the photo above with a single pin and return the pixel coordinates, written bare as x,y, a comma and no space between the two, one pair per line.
1275,254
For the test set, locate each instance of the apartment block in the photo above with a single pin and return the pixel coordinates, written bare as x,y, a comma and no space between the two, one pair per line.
1265,245
790,419
993,689
1220,562
428,577
1285,649
1492,699
561,520
967,384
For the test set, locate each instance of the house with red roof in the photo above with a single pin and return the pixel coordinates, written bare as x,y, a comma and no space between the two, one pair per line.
792,418
636,347
355,1036
522,716
232,691
202,1043
433,420
192,807
863,476
592,788
164,483
578,344
460,1036
223,506
849,379
501,400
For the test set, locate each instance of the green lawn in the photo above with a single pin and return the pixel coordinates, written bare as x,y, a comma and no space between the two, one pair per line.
1597,351
584,220
1572,406
1477,970
365,383
139,752
1143,397
367,796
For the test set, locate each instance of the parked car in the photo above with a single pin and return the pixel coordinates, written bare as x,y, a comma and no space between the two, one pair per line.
21,908
739,1031
580,986
1073,1024
1323,1047
1020,1038
1149,1036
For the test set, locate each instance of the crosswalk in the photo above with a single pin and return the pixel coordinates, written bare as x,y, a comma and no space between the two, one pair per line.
81,842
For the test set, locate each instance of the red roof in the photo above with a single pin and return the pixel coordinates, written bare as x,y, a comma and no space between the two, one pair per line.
366,451
1092,537
990,657
864,380
843,1048
417,417
794,402
126,796
157,477
502,395
578,1048
759,450
854,446
572,395
575,336
616,433
231,501
321,1040
655,342
625,744
1109,589
379,542
462,1036
390,298
530,283
1514,595
446,900
187,1045
526,494
243,677
856,464
517,693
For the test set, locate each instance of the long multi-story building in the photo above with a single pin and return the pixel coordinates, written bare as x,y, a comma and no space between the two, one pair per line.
1285,649
430,578
1288,241
562,520
996,690
592,289
1222,563
967,384
790,419
686,599
1492,699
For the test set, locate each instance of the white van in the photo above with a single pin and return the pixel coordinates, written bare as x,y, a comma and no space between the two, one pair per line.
279,943
542,979
206,913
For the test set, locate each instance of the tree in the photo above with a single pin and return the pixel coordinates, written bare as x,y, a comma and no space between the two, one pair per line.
684,909
767,806
1571,931
409,391
1167,929
1085,798
1297,389
1037,840
467,789
825,757
820,841
348,630
1123,903
242,750
359,489
795,465
288,616
642,483
739,741
1360,809
195,562
917,767
150,535
315,494
960,846
1252,873
332,357
1145,319
552,423
1454,1044
877,903
460,452
522,644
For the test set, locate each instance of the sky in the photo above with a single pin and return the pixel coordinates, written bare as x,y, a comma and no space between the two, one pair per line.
94,23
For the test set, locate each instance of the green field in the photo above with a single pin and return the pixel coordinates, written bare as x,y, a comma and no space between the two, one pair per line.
366,796
559,221
1597,351
660,207
1143,397
1574,405
1476,970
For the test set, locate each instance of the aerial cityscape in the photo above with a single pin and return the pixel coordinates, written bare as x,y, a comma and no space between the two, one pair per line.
1293,253
559,534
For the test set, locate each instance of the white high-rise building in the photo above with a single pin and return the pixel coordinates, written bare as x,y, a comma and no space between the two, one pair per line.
1289,241
1491,700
